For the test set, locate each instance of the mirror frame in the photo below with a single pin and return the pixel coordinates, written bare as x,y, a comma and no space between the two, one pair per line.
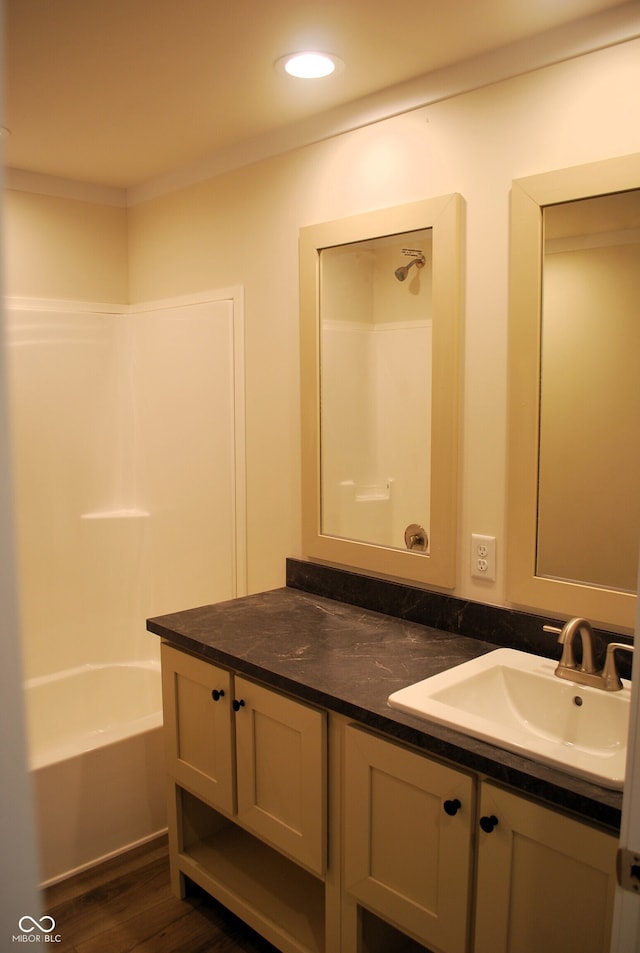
607,607
444,215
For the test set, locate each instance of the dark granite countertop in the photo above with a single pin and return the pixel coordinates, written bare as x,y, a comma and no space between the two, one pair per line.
348,660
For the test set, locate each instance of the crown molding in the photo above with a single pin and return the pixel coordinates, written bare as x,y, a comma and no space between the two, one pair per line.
21,180
570,41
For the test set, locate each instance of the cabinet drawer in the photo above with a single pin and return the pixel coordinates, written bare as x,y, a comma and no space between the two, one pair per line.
408,823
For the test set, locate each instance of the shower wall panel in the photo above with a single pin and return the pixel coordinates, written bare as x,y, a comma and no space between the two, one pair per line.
123,457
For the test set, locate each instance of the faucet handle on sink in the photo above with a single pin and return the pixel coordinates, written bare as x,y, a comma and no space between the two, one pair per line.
568,660
552,628
612,682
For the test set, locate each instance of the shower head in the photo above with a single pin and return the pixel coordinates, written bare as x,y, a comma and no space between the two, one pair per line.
402,272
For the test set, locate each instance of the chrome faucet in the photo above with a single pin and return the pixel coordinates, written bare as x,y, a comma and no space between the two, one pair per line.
608,679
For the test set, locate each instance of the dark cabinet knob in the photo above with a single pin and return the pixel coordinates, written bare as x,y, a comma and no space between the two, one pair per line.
452,807
487,823
237,704
217,695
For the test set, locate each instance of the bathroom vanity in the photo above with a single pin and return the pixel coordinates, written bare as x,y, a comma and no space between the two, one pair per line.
330,822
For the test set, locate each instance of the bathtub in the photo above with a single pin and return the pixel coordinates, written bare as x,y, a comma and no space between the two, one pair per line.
97,762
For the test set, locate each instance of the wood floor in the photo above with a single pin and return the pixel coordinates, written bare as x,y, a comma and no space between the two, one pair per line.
125,906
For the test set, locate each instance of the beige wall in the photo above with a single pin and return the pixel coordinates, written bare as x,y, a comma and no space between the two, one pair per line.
242,228
62,248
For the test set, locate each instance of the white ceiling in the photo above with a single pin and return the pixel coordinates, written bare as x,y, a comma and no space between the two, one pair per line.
119,92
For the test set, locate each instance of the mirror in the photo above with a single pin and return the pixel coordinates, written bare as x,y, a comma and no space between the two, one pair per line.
574,392
588,503
380,298
375,362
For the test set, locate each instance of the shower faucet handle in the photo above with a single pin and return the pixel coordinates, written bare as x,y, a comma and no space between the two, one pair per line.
415,538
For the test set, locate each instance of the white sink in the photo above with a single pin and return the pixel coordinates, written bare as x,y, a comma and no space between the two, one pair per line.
514,700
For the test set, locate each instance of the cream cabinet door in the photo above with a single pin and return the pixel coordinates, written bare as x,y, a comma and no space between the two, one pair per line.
545,881
281,771
408,823
196,698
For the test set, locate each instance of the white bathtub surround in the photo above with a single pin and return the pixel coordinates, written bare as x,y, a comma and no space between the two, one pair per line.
128,449
128,446
97,760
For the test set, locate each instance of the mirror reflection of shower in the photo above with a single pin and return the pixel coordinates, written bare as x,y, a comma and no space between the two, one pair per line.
375,476
417,259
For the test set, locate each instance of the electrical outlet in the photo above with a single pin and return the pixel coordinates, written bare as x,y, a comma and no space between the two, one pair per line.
483,557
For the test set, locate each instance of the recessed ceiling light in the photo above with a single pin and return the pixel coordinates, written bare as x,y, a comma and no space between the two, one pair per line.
309,64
